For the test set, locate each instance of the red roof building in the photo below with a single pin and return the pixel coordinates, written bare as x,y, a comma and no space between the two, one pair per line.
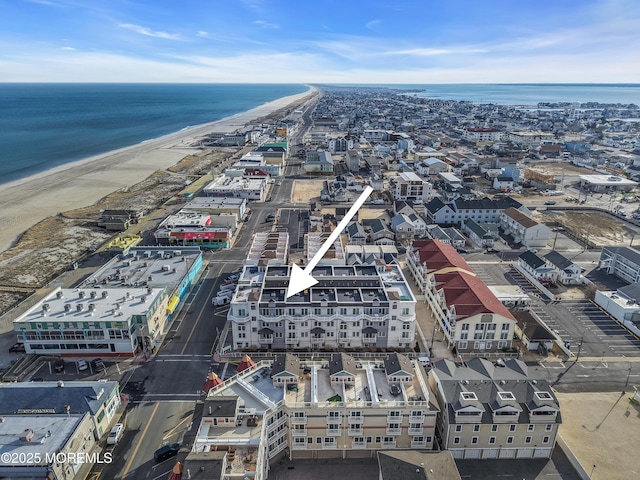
471,317
213,380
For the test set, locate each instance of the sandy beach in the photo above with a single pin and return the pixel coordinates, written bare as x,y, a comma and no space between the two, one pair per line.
28,201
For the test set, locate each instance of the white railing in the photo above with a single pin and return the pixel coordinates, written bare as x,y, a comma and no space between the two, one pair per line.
277,423
416,419
334,432
329,445
355,431
394,431
394,419
422,444
416,431
359,445
299,420
298,433
298,446
388,444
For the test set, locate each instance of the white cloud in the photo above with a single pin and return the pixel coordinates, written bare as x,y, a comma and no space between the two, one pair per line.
373,24
148,32
70,49
264,24
203,34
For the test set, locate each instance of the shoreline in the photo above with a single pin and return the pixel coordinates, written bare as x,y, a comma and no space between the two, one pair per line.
81,183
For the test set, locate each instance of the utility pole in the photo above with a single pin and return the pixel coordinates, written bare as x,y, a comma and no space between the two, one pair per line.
579,348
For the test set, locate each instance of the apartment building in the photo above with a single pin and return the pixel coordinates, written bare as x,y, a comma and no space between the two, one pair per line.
409,186
351,307
470,316
489,135
524,229
268,248
336,407
623,262
531,139
483,210
491,411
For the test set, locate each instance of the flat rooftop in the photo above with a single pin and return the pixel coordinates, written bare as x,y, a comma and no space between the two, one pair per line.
146,266
92,304
215,203
607,180
50,434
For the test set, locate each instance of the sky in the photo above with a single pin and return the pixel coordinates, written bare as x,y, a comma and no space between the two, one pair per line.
320,41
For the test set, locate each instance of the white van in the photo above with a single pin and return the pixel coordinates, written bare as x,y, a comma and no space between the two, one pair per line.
116,434
228,286
217,301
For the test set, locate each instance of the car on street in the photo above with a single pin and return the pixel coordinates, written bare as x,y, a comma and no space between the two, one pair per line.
17,348
550,202
492,250
270,218
82,365
115,434
461,250
166,452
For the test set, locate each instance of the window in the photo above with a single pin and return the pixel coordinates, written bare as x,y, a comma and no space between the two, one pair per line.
474,440
318,439
458,428
545,439
494,428
492,440
464,327
476,428
549,427
531,428
512,428
378,439
405,311
456,440
333,414
527,439
462,345
509,440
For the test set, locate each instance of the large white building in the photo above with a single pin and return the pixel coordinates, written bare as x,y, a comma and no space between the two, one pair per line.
250,188
351,307
409,186
336,407
524,229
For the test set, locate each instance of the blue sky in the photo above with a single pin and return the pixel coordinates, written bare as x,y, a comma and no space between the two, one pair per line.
348,41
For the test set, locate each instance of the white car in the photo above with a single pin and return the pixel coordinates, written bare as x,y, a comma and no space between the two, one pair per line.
115,434
82,365
217,301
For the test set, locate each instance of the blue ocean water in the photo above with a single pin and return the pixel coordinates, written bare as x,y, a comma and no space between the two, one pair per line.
531,94
46,125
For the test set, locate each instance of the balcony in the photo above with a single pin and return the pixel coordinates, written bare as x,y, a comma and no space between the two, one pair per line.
355,430
299,432
422,444
330,445
334,419
416,418
299,420
265,339
388,444
334,432
277,423
358,445
299,446
394,418
369,339
416,431
356,418
394,431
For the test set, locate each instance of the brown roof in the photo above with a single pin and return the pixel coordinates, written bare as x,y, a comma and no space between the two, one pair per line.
523,219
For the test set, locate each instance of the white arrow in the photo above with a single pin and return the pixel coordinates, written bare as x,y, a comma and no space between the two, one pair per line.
302,279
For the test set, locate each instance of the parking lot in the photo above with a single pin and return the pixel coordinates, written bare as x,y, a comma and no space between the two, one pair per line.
588,330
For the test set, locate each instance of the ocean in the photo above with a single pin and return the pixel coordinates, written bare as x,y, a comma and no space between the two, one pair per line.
46,125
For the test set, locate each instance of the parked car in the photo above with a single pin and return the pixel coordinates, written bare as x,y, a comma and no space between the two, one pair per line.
461,250
550,202
166,452
58,365
115,434
98,364
492,250
270,218
82,365
217,301
17,348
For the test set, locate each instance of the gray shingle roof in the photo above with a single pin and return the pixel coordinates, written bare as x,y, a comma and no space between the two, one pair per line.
396,363
412,465
531,259
81,396
342,362
558,260
286,362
